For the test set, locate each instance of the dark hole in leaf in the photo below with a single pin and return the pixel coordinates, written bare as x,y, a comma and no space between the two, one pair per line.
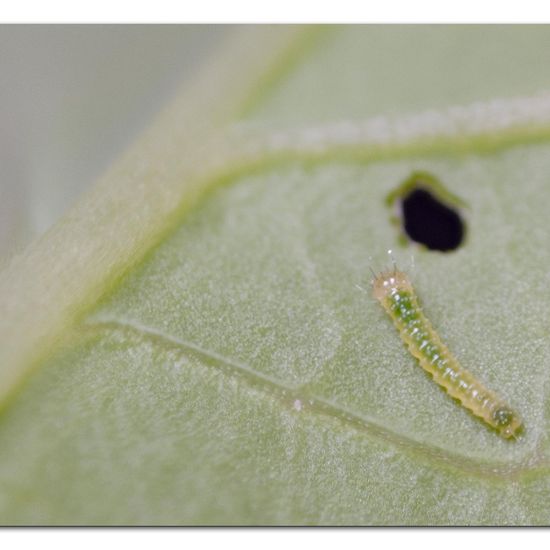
428,221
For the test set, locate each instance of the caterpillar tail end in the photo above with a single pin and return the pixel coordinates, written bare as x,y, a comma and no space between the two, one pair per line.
508,423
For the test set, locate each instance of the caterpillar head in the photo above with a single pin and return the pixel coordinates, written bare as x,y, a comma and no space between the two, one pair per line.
389,282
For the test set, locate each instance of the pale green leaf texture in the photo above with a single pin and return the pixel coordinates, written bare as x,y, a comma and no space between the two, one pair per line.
236,374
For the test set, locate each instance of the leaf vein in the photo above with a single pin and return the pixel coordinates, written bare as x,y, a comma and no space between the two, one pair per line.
532,463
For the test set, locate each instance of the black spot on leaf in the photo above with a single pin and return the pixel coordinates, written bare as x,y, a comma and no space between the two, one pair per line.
428,221
427,213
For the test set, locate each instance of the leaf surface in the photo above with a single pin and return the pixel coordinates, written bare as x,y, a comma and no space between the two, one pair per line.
234,373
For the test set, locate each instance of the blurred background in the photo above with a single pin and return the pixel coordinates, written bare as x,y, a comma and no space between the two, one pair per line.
71,99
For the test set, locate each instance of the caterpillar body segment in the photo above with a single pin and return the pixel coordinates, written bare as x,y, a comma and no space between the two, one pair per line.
395,292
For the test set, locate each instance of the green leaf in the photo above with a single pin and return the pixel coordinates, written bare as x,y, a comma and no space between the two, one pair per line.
192,341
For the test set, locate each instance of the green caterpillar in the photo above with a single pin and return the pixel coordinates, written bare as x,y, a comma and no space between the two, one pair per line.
397,296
